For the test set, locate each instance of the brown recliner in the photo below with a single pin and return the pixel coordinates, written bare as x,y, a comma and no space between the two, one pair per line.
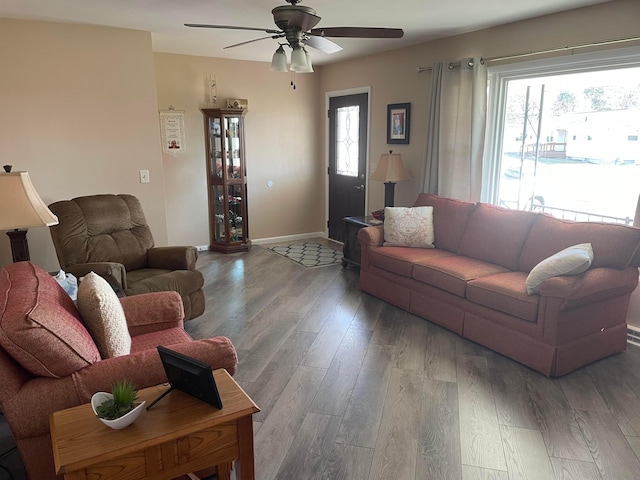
108,234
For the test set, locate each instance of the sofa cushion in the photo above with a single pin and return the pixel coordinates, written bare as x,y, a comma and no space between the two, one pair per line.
452,273
408,227
505,292
39,324
613,245
400,260
496,235
103,315
570,261
450,218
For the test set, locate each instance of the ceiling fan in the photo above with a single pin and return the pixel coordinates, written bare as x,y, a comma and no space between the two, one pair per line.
296,24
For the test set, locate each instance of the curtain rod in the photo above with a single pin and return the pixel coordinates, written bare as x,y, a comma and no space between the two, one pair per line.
542,52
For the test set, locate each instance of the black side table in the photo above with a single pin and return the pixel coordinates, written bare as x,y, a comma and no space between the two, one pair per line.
351,245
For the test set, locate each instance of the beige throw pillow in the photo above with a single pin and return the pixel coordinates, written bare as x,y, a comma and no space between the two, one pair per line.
408,227
570,261
103,316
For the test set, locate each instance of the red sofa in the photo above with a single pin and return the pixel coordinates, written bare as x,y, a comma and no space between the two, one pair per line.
473,282
49,362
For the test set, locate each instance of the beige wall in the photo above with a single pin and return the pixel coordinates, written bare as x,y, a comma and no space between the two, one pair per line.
78,112
282,146
393,78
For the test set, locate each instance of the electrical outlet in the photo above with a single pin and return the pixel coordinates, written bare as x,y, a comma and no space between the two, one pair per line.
144,176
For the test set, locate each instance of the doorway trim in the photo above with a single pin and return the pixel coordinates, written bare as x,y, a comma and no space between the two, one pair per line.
328,96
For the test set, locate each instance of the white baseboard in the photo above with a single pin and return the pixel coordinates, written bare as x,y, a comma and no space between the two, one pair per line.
288,238
284,238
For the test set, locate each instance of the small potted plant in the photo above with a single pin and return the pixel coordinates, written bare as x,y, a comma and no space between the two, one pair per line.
117,409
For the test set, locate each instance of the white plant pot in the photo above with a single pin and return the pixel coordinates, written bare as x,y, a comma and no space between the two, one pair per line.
99,397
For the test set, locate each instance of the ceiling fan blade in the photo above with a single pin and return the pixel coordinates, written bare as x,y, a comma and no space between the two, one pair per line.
254,40
358,32
323,44
231,27
303,20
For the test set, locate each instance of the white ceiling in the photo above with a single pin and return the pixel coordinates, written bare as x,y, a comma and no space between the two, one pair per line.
421,20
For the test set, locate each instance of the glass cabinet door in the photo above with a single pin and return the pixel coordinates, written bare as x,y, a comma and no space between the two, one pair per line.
215,146
218,229
227,177
232,126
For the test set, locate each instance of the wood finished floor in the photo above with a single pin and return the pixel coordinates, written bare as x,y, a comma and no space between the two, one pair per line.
353,388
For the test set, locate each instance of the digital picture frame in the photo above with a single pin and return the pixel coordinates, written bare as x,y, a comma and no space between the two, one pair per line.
190,376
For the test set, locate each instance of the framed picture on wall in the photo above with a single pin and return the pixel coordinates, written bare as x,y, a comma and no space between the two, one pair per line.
398,120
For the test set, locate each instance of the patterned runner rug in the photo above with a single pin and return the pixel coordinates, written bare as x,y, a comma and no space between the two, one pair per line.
309,254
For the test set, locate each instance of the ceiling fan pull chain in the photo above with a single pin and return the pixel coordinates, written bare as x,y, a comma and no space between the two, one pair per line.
293,79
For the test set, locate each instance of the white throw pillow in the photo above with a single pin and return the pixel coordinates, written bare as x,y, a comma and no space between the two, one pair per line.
102,313
408,227
570,261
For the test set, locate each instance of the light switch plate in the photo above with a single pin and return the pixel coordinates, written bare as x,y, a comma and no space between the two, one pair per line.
144,176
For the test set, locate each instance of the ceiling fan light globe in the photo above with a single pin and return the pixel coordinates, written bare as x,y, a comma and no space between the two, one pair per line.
298,60
279,60
309,67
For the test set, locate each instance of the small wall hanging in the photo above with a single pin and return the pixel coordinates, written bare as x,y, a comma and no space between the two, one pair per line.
172,131
398,118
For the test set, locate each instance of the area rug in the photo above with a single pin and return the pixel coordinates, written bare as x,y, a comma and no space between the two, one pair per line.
309,254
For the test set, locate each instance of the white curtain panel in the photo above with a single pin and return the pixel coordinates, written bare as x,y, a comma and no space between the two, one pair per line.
430,175
456,132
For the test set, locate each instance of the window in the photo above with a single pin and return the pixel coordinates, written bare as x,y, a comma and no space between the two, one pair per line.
347,141
579,117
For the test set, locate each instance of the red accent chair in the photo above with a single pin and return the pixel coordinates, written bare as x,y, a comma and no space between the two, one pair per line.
49,362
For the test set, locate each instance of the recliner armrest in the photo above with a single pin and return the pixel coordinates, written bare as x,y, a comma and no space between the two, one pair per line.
112,272
173,258
151,312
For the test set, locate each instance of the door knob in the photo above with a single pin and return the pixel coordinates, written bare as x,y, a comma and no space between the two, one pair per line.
359,187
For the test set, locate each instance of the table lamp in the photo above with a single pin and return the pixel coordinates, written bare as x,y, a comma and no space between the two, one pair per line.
21,207
390,170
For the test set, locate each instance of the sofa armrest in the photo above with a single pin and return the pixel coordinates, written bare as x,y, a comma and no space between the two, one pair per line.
370,238
42,396
173,258
112,272
594,285
144,368
150,312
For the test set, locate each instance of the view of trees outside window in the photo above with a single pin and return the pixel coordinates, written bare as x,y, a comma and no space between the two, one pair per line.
571,145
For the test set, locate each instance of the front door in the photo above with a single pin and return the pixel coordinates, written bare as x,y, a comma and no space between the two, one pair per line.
347,160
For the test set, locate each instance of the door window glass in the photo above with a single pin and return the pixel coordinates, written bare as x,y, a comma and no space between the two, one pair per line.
347,137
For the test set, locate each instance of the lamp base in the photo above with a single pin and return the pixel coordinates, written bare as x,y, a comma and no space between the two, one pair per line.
389,193
19,245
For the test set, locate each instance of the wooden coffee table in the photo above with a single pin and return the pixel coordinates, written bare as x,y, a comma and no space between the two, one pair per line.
178,436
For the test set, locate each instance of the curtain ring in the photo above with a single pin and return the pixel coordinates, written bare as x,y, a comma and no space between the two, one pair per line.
451,66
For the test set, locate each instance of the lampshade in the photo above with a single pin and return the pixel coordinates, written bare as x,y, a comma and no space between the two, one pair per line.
21,207
390,169
298,60
279,60
20,204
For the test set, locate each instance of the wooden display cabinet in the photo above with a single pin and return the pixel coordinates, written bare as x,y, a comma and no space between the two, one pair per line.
226,179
